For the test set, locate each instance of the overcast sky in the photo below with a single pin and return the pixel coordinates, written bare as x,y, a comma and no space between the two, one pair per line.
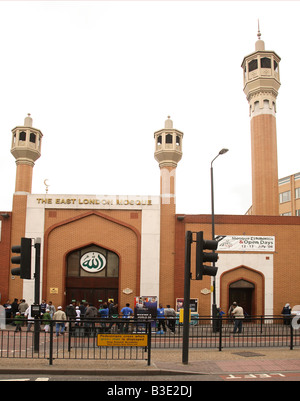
99,78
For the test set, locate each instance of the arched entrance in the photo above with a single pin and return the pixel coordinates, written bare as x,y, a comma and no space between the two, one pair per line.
245,286
242,292
92,275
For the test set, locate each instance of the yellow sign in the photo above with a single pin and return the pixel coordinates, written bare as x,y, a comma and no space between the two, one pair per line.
122,340
53,290
181,315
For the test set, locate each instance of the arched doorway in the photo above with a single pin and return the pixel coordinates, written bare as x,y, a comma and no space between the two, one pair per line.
242,292
92,275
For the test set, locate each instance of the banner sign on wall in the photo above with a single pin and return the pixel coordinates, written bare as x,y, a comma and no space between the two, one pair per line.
251,243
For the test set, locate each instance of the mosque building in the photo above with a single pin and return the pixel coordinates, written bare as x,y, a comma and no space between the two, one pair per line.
100,247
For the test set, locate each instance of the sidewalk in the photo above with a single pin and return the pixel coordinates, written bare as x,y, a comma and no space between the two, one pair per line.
167,362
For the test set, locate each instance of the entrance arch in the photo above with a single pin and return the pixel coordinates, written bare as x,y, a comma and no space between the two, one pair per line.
247,286
242,292
92,275
83,230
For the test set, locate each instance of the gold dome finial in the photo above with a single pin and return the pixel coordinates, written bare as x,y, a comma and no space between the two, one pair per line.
258,32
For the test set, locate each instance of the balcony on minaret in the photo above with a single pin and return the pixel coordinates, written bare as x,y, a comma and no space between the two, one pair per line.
260,64
261,79
168,145
26,142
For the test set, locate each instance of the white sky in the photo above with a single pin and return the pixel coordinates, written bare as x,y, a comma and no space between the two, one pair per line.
100,77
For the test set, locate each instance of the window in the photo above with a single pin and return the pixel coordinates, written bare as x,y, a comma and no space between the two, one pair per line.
297,193
298,212
275,66
284,180
177,140
265,62
286,214
253,65
32,137
169,138
22,136
285,197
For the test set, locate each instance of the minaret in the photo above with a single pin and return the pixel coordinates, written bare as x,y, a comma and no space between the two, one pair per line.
261,85
168,152
26,148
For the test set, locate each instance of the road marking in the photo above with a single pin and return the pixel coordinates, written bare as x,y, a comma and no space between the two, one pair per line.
15,380
252,376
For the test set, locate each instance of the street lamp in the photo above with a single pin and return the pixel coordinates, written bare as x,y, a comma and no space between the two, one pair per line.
214,306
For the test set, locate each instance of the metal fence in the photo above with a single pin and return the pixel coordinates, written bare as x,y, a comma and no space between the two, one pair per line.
257,331
73,340
121,337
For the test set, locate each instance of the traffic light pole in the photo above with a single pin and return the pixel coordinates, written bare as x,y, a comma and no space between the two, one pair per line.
186,302
201,270
37,275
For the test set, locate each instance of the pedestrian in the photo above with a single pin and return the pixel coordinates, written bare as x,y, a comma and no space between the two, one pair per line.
238,314
170,314
71,315
104,313
23,306
90,315
18,321
30,319
43,306
60,318
286,313
113,314
126,312
220,314
52,309
46,318
8,314
78,313
161,326
82,309
14,309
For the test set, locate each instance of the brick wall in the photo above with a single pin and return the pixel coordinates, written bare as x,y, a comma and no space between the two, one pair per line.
286,275
118,231
5,257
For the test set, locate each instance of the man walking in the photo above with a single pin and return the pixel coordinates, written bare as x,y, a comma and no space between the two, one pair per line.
126,312
161,326
238,314
170,314
61,317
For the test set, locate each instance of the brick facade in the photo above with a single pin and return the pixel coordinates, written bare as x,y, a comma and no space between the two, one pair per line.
5,255
286,273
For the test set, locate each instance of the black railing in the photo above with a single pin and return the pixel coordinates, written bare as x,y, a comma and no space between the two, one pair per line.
120,338
78,340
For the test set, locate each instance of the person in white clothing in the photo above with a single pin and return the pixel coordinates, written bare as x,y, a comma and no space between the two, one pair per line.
238,313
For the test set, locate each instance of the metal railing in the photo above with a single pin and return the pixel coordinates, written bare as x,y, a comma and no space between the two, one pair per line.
80,340
206,332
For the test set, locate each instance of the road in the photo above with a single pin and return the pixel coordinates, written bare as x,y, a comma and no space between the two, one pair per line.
161,380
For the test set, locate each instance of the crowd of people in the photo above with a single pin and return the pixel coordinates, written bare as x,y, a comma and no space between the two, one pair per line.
19,314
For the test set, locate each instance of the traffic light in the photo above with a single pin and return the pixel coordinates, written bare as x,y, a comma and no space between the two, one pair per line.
202,257
24,259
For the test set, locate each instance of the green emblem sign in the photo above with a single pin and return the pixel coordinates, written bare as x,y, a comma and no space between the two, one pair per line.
92,262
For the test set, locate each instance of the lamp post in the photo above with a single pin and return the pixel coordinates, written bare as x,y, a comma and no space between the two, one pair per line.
214,306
